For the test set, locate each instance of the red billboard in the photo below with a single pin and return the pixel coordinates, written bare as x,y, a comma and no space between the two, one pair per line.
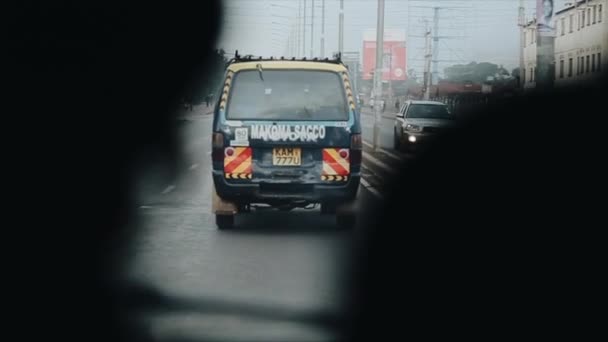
393,64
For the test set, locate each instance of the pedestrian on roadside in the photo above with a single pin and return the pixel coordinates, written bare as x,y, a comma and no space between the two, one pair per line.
397,105
207,99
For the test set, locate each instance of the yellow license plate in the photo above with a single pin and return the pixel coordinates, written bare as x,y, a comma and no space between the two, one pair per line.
286,156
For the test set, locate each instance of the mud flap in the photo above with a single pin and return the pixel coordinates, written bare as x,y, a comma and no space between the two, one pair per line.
220,206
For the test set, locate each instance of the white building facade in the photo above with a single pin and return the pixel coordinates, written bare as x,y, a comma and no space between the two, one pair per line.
581,42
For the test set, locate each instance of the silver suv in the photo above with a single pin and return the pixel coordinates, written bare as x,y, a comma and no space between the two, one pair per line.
418,121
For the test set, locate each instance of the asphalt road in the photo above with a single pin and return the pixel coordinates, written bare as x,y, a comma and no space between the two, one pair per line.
278,276
386,127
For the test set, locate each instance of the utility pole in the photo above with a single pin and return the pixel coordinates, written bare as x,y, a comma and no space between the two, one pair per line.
390,74
312,30
427,65
304,32
293,45
298,28
408,39
435,38
378,74
323,29
435,78
341,28
545,48
522,46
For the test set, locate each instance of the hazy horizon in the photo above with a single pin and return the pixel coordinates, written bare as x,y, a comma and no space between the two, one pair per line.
475,30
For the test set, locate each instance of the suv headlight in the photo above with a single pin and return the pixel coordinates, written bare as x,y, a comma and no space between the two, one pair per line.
413,128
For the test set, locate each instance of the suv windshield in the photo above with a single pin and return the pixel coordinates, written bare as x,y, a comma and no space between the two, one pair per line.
287,95
428,111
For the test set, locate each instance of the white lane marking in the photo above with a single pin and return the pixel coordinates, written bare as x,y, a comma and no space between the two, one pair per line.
193,166
168,189
388,153
391,154
369,187
145,207
367,156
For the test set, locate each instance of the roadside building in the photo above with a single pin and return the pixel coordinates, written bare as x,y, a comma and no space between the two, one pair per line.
581,42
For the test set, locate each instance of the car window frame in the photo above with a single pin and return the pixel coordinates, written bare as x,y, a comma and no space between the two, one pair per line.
237,73
443,104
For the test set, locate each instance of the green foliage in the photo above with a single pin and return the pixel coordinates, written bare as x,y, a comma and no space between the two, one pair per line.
515,72
474,72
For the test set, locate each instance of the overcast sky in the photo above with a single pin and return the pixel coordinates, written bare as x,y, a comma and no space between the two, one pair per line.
478,30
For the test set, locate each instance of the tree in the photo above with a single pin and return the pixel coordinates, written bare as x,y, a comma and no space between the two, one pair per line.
481,71
460,72
515,72
474,72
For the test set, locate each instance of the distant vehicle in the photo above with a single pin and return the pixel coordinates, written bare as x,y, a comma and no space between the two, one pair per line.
286,134
419,121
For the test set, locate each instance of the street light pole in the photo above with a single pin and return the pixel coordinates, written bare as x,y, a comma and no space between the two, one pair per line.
312,29
427,64
545,49
290,42
341,28
323,29
378,74
435,78
304,32
390,74
522,13
298,27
